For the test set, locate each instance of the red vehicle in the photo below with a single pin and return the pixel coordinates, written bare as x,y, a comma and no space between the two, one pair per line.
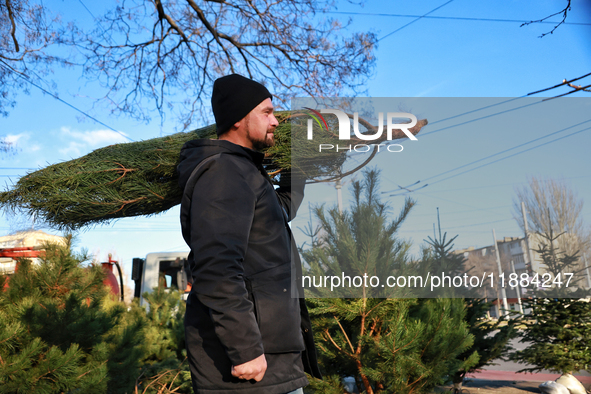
9,265
9,258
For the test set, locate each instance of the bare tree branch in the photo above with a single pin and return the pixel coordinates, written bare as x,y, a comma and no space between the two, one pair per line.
168,53
162,15
13,28
564,13
280,43
26,34
576,89
579,87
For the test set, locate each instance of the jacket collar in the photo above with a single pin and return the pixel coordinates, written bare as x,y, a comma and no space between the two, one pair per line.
230,147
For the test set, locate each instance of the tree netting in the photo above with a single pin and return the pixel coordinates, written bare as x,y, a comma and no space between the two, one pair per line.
139,178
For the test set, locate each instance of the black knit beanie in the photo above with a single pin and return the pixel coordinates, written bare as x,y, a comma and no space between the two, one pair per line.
233,97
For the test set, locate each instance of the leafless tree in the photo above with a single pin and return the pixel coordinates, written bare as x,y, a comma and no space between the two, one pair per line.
165,54
171,51
28,34
553,207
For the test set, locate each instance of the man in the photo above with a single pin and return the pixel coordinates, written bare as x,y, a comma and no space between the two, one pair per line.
245,332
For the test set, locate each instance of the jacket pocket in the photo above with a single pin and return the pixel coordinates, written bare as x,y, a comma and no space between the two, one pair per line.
277,313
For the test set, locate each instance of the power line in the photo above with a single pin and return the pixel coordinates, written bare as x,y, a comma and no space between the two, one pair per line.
413,21
485,117
482,117
478,187
86,8
96,19
470,112
459,124
460,227
426,16
503,158
453,202
497,185
506,150
493,155
575,89
65,102
479,224
462,211
466,205
565,82
515,154
481,187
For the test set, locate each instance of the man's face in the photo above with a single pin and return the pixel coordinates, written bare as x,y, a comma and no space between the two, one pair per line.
260,125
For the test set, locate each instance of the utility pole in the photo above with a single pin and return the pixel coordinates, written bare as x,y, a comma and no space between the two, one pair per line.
311,226
527,243
587,269
338,186
438,223
517,288
503,293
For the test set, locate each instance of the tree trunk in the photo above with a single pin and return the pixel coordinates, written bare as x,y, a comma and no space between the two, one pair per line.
364,378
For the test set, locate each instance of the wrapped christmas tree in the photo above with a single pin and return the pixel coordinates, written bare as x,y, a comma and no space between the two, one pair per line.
140,178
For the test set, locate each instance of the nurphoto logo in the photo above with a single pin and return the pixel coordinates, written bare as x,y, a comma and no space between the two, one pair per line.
393,122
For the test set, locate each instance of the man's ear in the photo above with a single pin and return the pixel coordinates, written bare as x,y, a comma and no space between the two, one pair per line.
240,123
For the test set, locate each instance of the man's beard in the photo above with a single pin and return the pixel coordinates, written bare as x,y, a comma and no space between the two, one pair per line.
260,143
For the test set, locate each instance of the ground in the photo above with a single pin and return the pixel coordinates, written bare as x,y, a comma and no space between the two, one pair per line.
502,378
480,386
503,382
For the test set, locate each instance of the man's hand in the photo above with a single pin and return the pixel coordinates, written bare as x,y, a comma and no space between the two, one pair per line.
253,369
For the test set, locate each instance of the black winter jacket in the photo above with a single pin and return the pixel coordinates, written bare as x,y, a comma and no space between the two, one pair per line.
244,301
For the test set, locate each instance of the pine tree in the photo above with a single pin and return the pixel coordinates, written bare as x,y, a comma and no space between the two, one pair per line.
559,323
491,337
165,368
389,345
357,243
140,178
559,330
557,262
59,332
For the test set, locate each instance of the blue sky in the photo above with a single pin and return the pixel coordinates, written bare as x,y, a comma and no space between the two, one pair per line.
443,57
